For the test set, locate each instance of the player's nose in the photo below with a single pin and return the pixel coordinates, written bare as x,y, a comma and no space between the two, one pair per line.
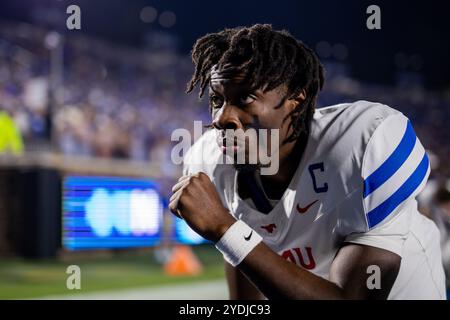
227,118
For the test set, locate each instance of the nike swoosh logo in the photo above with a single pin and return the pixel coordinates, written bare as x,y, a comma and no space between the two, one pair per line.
249,236
304,209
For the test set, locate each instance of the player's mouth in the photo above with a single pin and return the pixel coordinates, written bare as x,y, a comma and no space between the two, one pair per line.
231,145
231,148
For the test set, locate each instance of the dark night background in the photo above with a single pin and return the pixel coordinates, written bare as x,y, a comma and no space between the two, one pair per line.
409,27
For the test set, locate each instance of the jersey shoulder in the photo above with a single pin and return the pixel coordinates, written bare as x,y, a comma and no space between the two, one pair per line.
348,119
341,133
205,156
374,155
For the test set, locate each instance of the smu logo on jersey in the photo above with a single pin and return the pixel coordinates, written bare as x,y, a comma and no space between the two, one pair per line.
303,258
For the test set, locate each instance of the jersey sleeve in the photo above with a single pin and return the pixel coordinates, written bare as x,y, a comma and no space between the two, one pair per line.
395,168
205,156
202,156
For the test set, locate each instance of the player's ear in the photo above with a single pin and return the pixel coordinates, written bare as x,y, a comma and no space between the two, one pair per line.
302,96
298,100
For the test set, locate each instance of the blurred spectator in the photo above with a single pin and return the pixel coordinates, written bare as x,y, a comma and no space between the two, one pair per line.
440,213
10,138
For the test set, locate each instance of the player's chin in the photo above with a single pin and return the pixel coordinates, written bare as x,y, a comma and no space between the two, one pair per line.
246,167
245,162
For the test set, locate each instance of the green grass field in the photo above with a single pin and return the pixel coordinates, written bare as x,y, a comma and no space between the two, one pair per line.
21,278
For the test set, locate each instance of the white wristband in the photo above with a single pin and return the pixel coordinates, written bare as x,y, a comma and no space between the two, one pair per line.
237,242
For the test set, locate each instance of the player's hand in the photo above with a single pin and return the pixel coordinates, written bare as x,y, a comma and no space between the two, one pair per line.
196,200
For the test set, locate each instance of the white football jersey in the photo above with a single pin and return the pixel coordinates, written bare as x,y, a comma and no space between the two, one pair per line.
357,181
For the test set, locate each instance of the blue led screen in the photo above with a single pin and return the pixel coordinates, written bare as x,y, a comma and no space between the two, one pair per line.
110,212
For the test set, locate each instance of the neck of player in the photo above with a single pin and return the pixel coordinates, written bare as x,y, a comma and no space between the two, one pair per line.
290,156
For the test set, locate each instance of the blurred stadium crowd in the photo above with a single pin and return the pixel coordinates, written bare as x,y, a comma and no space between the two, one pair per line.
110,101
116,102
105,101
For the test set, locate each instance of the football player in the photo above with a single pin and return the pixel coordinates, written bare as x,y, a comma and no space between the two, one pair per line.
339,219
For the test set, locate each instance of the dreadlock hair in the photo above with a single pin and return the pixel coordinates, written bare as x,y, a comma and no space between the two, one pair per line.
269,59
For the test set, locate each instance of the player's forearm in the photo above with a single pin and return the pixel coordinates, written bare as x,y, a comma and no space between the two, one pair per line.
239,286
280,279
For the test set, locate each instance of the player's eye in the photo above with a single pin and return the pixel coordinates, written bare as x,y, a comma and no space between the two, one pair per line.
247,99
215,101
